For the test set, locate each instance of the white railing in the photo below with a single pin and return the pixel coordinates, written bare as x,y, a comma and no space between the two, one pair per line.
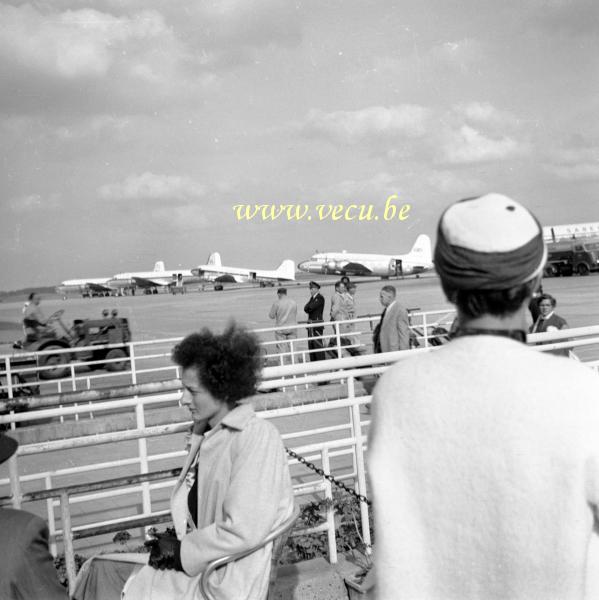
150,360
342,455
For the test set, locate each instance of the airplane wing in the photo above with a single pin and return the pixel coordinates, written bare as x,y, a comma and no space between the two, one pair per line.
226,278
96,287
354,268
143,282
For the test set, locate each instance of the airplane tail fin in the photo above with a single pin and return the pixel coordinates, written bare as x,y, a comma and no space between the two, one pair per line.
422,248
286,270
214,260
159,266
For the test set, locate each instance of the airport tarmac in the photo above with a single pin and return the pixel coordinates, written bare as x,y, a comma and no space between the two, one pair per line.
166,315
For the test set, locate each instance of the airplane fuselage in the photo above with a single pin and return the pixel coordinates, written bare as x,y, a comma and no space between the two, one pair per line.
375,265
152,278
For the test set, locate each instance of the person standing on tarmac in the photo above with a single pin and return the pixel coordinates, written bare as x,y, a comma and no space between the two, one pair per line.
284,312
314,309
484,454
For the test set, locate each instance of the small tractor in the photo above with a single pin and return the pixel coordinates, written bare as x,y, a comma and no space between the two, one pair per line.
84,332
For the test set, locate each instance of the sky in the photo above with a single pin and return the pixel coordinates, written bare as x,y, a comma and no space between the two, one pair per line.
130,130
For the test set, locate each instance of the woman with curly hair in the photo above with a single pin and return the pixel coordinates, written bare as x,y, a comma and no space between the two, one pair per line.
234,488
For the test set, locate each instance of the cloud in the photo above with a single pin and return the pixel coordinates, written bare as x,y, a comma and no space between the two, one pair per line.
575,159
450,182
88,61
150,187
181,218
580,172
31,203
456,54
74,43
372,123
468,145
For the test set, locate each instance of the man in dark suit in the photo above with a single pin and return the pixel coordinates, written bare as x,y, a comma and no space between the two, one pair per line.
26,566
314,309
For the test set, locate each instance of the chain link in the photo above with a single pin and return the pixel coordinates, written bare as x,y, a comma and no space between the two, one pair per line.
327,476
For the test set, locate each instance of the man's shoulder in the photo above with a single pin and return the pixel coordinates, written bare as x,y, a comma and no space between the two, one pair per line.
15,522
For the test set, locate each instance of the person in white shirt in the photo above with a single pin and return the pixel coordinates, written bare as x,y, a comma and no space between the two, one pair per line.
284,312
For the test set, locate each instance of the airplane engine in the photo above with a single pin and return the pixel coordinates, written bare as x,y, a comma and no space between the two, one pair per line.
332,266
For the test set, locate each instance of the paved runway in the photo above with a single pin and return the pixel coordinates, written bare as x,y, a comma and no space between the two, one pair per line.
167,315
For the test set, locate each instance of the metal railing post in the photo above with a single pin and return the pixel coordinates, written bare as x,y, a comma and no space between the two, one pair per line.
425,330
51,519
15,483
67,539
338,339
142,448
7,370
328,494
132,358
360,469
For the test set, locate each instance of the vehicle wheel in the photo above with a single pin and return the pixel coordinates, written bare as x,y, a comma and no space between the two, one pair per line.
582,269
116,353
57,361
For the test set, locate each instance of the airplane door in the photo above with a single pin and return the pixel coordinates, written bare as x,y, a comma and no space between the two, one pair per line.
252,275
396,267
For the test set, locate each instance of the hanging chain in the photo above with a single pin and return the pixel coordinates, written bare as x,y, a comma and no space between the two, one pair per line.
328,476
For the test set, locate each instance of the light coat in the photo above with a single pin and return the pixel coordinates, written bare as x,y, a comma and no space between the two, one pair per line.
484,462
395,330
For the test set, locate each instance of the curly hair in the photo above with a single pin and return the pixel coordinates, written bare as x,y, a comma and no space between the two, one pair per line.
228,364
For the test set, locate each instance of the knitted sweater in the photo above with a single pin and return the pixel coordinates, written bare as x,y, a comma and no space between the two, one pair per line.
484,463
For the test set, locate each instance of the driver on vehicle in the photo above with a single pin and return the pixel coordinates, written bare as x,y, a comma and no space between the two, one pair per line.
33,319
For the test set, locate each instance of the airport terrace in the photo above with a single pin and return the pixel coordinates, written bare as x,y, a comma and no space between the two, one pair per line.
100,450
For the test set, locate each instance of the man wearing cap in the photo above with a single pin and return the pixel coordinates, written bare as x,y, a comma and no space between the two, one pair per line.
484,454
314,309
26,566
284,312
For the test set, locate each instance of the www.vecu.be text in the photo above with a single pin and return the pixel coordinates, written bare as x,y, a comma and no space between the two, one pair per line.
392,211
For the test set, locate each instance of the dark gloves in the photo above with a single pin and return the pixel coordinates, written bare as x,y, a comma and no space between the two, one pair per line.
165,552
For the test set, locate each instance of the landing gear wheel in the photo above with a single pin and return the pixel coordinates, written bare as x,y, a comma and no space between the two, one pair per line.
113,354
57,361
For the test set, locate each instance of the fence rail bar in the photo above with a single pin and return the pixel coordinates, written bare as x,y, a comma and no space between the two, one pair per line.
98,485
114,527
125,391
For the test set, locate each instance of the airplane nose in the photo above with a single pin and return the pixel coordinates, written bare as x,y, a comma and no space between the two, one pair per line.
304,265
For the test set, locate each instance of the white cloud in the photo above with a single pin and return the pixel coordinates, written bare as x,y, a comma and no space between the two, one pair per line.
450,182
468,145
404,121
577,159
181,218
457,54
580,172
152,187
75,43
34,203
